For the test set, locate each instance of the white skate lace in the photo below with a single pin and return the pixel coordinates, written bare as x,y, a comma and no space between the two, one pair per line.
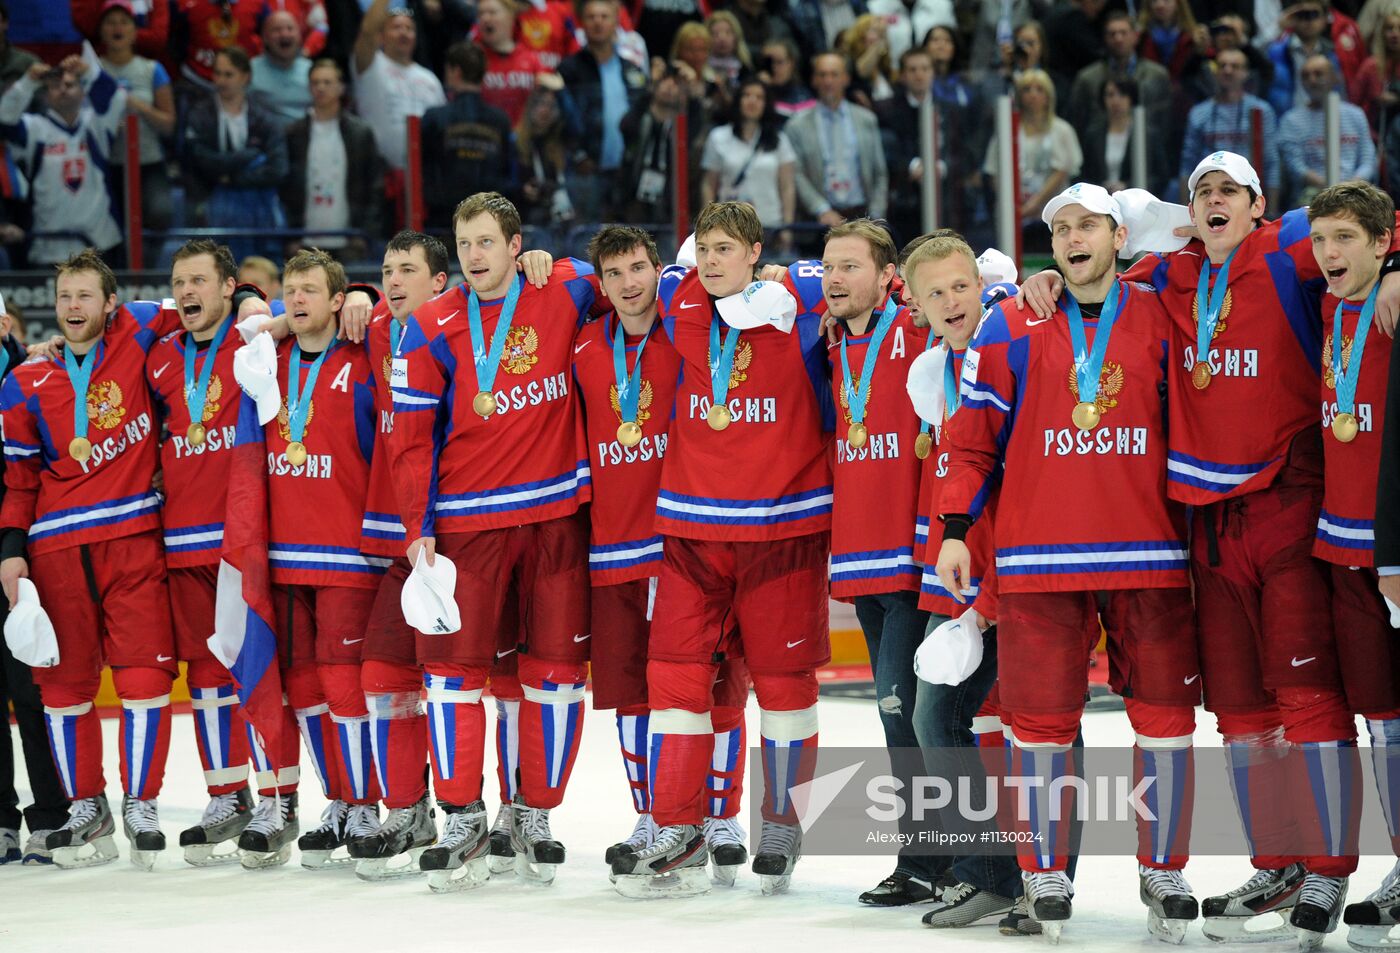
1260,880
535,824
269,815
1321,891
1389,890
667,840
720,831
778,838
642,833
362,821
1162,884
84,811
455,829
333,817
1048,883
219,809
399,819
141,816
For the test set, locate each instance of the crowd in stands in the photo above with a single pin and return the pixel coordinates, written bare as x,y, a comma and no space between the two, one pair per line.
285,120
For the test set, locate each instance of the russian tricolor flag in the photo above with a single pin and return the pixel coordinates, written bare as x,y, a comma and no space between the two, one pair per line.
244,638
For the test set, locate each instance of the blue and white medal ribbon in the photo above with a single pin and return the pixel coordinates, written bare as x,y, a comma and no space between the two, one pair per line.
79,377
488,363
197,390
1210,301
629,432
299,401
721,367
1088,364
858,394
1345,426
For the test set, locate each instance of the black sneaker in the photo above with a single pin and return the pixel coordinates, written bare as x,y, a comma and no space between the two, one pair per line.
899,889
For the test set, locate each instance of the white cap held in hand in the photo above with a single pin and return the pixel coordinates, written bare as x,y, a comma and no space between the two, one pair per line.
29,631
429,596
255,369
950,653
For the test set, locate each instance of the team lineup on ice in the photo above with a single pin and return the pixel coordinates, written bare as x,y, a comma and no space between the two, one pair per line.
370,516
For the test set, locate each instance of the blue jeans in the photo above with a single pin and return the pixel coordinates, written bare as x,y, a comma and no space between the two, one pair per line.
894,625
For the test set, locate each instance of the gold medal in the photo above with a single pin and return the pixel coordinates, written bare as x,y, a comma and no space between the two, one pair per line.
1086,415
296,453
484,403
719,417
1200,375
629,433
80,449
923,446
195,435
1345,427
856,436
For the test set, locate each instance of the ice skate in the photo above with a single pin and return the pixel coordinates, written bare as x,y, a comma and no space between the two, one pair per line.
537,853
1048,894
1019,922
460,861
319,845
1269,893
141,824
1318,909
214,840
502,860
725,838
672,866
643,833
779,847
1170,906
963,905
36,850
86,840
1369,922
394,849
268,838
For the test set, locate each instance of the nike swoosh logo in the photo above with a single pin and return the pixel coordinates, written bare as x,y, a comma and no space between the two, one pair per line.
155,374
687,305
164,658
1031,324
442,321
351,641
1188,681
795,644
583,638
505,653
40,381
1297,662
582,346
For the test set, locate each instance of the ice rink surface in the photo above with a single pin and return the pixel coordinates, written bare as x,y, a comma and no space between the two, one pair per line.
291,910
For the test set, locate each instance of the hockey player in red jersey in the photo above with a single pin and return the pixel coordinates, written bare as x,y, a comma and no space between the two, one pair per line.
1084,533
745,509
626,370
486,446
81,517
320,448
873,563
1352,226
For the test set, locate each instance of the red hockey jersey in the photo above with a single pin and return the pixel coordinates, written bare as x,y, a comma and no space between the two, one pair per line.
624,544
196,477
876,486
316,510
456,472
59,501
1346,526
382,533
768,475
1078,510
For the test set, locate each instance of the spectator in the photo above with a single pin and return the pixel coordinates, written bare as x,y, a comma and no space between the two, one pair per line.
546,27
750,160
1108,145
1025,51
149,96
959,113
778,68
337,177
644,188
312,23
15,62
542,142
64,151
1377,85
1302,136
1120,38
1074,36
820,23
841,170
1225,123
468,145
867,55
1306,22
281,74
1049,153
993,25
690,54
1230,32
908,21
1172,37
758,25
604,88
511,67
658,21
729,54
389,85
899,119
236,157
440,23
201,29
263,274
152,24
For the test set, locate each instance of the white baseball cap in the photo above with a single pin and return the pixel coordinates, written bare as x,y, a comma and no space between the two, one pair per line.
951,652
924,384
29,631
1233,164
1151,223
996,267
686,256
1093,197
429,599
255,369
761,304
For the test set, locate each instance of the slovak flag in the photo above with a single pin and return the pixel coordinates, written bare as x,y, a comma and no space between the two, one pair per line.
244,638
